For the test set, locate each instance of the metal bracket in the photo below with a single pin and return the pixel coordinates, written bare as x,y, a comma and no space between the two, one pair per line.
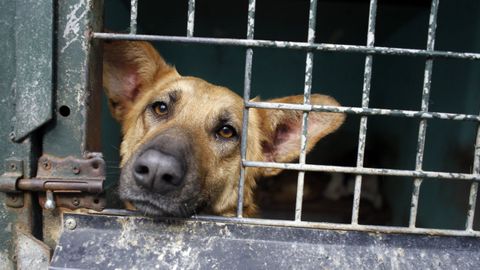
69,182
13,172
72,180
8,182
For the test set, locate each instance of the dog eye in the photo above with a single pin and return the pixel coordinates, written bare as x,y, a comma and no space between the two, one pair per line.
226,132
160,108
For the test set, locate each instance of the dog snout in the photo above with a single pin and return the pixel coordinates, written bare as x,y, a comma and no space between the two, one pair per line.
158,171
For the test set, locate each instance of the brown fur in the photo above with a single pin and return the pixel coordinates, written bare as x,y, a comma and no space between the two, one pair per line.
135,75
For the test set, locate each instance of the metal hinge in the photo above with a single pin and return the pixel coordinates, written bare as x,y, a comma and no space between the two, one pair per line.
67,182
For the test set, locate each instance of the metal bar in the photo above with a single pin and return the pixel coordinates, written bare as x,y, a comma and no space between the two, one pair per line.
363,170
190,18
133,16
422,129
291,45
362,137
303,224
312,17
246,98
365,111
472,199
339,226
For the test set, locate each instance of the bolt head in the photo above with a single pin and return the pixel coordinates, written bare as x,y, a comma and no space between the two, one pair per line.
76,201
76,170
13,167
46,164
70,223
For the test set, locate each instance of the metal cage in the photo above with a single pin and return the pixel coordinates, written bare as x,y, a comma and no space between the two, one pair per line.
364,111
51,133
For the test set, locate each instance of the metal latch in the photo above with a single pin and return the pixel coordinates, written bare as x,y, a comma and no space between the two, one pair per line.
67,182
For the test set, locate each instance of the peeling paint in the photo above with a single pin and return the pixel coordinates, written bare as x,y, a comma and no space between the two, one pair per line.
190,18
292,45
72,28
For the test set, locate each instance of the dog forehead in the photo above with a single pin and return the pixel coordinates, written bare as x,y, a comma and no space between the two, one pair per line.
200,97
200,89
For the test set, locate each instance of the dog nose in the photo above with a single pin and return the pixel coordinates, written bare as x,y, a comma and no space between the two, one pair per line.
158,171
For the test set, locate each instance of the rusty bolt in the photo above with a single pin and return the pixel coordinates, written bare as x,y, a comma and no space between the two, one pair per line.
13,167
76,201
46,164
70,223
76,169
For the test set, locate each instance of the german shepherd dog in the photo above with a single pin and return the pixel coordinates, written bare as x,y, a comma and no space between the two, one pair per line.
180,152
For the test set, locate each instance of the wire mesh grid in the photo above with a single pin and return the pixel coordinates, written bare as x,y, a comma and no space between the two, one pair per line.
418,174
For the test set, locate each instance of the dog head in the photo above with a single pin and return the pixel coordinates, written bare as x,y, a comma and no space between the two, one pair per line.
181,135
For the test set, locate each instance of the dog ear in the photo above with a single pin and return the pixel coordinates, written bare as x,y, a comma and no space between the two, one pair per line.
128,67
282,129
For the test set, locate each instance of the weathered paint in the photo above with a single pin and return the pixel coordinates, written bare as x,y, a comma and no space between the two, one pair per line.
34,71
246,98
472,198
258,43
362,136
133,16
190,18
77,74
31,252
307,89
76,131
363,170
107,242
422,129
365,111
12,14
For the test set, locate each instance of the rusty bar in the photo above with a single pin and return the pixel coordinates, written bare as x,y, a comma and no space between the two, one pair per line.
291,45
190,18
312,17
472,198
422,129
365,111
362,170
133,16
362,137
246,98
42,184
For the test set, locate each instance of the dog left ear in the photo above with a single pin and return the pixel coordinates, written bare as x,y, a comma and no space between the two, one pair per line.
282,129
129,67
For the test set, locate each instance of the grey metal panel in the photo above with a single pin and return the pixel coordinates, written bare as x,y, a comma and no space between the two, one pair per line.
10,218
33,51
76,75
112,242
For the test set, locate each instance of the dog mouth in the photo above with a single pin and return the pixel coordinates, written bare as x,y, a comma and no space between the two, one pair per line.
149,209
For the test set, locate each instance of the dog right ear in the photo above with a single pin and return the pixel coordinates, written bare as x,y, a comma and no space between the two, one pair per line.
128,68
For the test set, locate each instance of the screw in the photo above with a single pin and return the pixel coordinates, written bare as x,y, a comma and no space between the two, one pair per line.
13,167
76,201
46,164
70,223
13,198
76,169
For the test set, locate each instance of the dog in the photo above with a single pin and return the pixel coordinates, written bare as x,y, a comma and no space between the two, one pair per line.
180,152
